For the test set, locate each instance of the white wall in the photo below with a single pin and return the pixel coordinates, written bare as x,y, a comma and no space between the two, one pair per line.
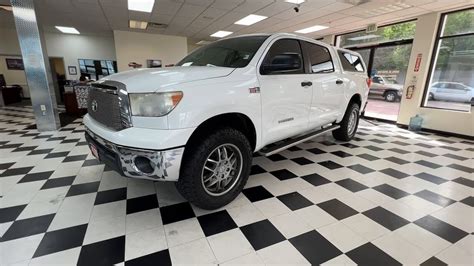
10,48
437,119
138,47
73,47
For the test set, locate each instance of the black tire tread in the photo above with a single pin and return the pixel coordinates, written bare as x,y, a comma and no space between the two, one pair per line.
341,133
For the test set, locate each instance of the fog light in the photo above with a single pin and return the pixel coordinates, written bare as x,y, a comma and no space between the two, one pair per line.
143,164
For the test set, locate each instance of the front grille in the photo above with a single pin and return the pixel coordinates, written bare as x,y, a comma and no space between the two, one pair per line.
104,108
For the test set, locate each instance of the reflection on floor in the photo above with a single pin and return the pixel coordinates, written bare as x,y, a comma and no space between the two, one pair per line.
381,109
388,197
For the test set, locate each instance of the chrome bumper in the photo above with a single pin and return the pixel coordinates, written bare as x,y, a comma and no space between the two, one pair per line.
165,163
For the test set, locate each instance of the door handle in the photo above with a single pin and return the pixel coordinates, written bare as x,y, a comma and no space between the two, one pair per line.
339,81
306,83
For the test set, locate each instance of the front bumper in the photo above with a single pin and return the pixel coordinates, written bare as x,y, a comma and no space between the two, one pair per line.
165,163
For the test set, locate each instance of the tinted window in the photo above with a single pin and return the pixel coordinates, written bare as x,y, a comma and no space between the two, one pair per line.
284,46
351,62
234,52
319,58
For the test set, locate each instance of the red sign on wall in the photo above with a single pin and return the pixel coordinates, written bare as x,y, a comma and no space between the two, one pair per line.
418,63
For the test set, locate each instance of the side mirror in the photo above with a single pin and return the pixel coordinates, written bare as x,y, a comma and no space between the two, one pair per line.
282,63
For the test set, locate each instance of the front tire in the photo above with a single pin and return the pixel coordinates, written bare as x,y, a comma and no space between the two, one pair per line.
391,96
349,124
215,170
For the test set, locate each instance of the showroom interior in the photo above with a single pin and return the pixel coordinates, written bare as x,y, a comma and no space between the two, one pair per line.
393,195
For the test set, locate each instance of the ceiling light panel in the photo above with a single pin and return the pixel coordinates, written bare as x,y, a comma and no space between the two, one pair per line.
141,5
250,19
68,30
311,29
135,24
221,34
297,2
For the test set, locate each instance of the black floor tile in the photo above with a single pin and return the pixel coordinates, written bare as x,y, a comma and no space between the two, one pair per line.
176,212
257,193
451,148
361,169
396,160
161,258
216,222
341,154
379,141
75,158
110,196
431,178
277,157
315,179
10,214
302,161
283,174
468,201
386,218
16,171
369,254
461,168
330,165
464,181
428,164
28,227
4,166
57,154
441,229
400,151
69,141
107,252
25,148
337,209
314,247
58,182
351,185
394,173
294,148
262,234
391,191
142,203
316,151
373,148
427,154
36,177
56,139
40,151
60,240
433,261
257,170
401,143
91,162
350,145
294,201
83,188
434,198
456,157
368,157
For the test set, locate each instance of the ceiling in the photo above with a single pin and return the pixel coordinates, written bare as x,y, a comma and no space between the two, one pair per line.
197,19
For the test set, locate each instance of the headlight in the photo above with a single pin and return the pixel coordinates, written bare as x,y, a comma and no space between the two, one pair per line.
154,104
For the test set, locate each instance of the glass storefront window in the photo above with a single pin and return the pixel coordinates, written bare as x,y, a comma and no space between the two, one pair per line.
396,32
451,84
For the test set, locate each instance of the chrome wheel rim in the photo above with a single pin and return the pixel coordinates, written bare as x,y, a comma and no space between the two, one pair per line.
351,125
221,170
390,97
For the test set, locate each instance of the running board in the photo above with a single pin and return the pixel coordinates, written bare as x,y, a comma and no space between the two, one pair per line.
276,148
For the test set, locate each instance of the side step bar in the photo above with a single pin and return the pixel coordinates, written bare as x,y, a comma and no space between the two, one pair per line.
283,145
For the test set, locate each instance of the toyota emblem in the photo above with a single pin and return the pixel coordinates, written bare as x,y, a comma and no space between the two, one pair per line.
94,105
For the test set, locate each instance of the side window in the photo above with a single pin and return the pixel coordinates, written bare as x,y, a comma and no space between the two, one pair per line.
319,58
351,62
280,53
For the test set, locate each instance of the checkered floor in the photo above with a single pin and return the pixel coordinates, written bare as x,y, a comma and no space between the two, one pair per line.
388,197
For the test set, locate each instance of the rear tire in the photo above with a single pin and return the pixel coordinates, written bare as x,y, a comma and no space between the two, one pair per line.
390,96
349,123
196,181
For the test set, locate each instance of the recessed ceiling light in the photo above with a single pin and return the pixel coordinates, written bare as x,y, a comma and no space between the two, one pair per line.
311,29
221,34
69,30
297,2
250,19
141,5
203,42
135,24
6,7
364,37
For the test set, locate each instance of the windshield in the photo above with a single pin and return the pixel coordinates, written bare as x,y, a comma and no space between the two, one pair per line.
234,52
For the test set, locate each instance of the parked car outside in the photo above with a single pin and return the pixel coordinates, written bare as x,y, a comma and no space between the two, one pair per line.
451,92
383,88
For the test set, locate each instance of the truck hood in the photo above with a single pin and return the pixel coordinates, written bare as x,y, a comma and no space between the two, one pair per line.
154,79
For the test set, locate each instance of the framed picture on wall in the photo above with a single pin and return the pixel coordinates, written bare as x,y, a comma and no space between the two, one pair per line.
72,70
14,63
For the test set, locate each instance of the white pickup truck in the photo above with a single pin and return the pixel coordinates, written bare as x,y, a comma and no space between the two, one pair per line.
199,123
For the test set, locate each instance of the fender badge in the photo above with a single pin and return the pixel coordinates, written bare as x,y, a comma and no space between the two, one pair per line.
254,90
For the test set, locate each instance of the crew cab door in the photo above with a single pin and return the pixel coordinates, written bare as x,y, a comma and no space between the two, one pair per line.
328,87
285,92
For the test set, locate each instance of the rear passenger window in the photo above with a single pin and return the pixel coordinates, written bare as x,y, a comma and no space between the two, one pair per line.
319,58
351,62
